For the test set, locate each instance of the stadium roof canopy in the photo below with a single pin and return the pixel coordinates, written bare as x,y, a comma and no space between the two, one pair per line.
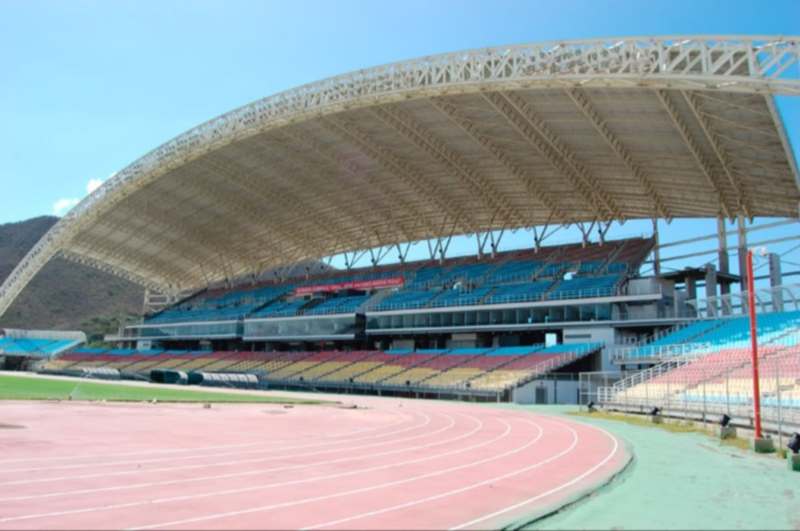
459,143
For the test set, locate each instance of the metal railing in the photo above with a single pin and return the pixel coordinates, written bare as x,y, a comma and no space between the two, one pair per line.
773,299
700,385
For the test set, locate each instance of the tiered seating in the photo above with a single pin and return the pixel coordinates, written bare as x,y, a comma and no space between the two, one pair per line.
481,368
29,345
455,297
513,271
530,291
143,362
281,308
263,362
518,276
197,361
425,276
466,364
331,362
688,333
407,299
405,367
730,331
433,372
249,361
717,365
366,364
529,363
346,304
296,369
221,306
467,273
588,286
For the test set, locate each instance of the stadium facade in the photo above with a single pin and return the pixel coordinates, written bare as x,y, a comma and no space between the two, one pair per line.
581,133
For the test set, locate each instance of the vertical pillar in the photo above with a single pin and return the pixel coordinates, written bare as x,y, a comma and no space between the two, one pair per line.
656,251
722,246
711,290
742,252
691,288
480,246
724,261
775,281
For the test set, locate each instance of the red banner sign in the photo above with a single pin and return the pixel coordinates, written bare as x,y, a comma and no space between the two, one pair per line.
392,282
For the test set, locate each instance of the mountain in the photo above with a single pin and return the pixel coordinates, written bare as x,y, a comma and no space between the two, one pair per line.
64,295
69,296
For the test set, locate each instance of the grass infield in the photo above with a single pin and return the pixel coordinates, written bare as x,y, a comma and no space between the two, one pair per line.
27,388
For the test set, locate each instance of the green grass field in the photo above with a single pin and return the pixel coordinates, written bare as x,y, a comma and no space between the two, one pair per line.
27,388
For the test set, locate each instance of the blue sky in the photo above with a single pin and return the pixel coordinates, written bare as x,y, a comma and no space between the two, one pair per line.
86,87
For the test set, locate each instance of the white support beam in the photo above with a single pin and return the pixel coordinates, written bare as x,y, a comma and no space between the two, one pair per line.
535,191
519,123
600,196
691,145
721,153
404,172
722,65
486,192
583,103
148,282
307,143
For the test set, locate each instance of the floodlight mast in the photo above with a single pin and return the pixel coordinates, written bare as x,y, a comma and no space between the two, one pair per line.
751,307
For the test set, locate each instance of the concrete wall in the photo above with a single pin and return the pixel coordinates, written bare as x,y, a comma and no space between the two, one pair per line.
555,392
594,334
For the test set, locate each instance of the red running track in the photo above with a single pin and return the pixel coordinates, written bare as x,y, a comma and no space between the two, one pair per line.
390,464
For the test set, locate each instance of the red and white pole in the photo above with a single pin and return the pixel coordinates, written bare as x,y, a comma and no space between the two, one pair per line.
751,307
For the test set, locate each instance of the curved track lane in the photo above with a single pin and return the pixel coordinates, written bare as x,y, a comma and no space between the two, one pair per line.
390,464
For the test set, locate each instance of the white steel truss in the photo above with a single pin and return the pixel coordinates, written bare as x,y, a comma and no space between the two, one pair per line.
739,71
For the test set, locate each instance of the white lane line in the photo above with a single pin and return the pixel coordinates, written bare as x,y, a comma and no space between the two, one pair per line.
453,492
209,465
263,470
563,486
360,490
247,489
197,449
158,460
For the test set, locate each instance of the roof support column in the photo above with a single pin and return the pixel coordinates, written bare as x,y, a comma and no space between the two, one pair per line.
711,291
656,250
742,252
496,241
775,281
481,243
724,259
722,246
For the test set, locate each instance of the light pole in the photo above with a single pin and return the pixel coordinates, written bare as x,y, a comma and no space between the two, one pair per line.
751,308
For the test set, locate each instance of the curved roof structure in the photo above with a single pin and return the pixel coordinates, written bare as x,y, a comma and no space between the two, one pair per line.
457,143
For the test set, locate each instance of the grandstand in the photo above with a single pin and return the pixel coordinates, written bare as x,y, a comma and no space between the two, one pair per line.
487,372
21,349
711,372
542,139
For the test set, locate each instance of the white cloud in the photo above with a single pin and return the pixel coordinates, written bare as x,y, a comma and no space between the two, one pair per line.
62,206
93,185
